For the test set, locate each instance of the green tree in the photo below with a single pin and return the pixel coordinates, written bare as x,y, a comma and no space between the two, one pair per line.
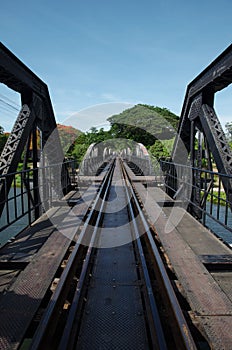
83,141
229,131
68,135
79,151
144,124
3,138
161,149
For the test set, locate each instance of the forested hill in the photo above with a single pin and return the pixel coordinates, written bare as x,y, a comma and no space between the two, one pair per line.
142,123
146,122
68,135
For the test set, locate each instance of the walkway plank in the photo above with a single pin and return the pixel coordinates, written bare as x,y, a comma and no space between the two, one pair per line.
182,244
20,302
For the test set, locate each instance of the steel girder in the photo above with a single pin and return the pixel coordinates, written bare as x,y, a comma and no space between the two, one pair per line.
18,77
36,112
198,114
16,141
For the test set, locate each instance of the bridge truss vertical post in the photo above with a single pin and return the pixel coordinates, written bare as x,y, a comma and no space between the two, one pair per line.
198,117
36,114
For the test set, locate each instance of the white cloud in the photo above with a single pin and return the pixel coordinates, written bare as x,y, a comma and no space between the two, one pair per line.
95,115
110,97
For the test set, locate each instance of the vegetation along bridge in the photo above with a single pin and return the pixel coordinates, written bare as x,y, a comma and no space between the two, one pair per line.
126,249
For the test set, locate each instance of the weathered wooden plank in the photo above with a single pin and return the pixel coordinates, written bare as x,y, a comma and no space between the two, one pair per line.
183,242
21,300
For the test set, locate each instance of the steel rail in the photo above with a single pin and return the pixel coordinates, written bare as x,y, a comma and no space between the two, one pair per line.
45,332
68,337
69,334
184,332
158,338
46,329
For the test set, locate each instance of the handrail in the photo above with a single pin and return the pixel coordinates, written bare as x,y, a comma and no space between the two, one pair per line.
214,205
19,202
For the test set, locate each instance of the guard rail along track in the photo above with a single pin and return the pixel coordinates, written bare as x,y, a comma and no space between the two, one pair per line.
90,309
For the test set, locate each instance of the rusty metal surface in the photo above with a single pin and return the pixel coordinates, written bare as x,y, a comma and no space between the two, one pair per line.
28,242
217,262
218,331
224,280
21,300
6,278
204,294
198,237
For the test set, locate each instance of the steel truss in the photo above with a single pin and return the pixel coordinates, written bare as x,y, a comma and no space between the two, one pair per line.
199,117
36,114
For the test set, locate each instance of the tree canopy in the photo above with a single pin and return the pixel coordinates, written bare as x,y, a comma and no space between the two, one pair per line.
142,123
68,135
145,124
229,132
3,138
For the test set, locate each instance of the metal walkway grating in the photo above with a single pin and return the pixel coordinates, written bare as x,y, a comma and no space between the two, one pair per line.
113,317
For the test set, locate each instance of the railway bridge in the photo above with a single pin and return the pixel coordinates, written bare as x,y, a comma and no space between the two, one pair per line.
122,251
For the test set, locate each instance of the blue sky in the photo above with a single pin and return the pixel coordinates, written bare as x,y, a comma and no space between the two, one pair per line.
91,52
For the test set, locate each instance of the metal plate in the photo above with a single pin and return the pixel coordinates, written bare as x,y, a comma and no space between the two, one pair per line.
218,331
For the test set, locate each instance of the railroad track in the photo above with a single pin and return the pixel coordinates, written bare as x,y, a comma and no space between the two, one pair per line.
114,297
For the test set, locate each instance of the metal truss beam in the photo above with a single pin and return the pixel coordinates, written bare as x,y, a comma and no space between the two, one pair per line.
16,141
37,112
198,114
17,76
12,151
201,90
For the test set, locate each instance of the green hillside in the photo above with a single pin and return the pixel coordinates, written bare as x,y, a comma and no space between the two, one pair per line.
145,124
68,135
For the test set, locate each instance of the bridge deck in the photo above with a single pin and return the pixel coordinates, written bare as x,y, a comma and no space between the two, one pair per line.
200,261
189,246
114,306
28,266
